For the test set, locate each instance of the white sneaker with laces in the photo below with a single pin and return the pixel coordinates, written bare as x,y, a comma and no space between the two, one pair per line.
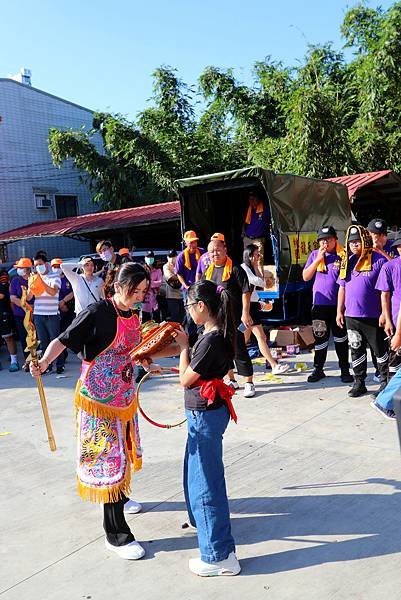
280,368
229,566
233,383
249,390
131,507
132,551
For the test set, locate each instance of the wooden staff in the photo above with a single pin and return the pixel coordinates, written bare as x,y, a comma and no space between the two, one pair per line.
31,347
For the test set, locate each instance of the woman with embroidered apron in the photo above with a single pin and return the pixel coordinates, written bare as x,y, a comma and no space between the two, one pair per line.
208,410
106,408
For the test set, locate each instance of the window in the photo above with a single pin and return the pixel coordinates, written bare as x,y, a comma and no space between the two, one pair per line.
42,201
66,206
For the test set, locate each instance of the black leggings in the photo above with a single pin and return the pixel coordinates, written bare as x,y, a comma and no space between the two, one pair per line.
115,526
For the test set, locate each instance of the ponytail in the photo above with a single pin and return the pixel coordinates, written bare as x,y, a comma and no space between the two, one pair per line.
219,304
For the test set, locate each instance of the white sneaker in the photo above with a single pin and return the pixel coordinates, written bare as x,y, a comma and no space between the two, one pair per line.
229,566
249,390
132,551
280,368
376,378
132,507
233,383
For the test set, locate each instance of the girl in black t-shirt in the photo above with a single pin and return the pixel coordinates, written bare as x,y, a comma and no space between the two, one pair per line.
208,408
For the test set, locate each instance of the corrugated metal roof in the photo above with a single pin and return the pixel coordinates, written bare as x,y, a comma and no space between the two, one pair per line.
113,219
359,180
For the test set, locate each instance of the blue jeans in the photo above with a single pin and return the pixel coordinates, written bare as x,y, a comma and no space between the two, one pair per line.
385,398
47,329
204,483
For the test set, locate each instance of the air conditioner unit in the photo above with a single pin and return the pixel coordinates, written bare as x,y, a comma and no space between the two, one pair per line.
42,201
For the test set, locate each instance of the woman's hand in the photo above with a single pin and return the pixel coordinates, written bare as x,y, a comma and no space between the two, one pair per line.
181,338
38,368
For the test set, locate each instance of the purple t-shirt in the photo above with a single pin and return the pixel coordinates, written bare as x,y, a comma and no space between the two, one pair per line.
388,248
16,285
362,299
203,264
65,288
189,275
257,228
389,280
325,285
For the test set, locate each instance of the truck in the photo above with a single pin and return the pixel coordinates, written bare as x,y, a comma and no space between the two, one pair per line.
298,205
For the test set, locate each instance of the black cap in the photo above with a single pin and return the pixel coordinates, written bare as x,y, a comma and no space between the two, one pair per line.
377,226
354,235
172,253
326,232
396,242
150,254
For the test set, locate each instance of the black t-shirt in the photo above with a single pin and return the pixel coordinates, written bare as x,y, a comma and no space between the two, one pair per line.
93,330
236,285
209,359
111,266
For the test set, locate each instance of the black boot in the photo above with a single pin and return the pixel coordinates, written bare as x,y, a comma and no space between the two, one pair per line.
346,376
358,389
316,375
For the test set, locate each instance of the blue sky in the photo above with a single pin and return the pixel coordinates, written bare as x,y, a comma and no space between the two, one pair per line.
101,54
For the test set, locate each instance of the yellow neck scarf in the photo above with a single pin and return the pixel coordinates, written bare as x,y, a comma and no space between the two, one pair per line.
259,209
228,268
322,267
364,262
187,260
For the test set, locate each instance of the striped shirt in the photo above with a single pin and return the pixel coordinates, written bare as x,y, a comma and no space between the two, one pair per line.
45,304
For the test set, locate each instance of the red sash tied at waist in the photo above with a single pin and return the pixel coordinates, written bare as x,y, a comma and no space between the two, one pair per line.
208,391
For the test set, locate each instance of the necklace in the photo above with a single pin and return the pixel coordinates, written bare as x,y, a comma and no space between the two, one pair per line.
121,312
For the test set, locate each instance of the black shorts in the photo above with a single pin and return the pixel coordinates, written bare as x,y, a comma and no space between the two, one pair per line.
255,313
6,324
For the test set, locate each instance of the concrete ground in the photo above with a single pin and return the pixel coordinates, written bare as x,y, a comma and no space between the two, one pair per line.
314,486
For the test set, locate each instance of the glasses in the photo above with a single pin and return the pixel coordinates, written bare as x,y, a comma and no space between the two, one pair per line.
186,306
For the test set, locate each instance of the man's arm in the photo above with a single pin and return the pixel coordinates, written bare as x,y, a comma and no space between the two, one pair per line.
309,271
340,306
246,304
385,317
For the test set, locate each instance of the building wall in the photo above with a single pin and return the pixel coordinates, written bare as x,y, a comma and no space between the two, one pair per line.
26,167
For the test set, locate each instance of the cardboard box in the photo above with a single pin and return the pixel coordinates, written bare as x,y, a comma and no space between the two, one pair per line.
302,335
283,337
306,336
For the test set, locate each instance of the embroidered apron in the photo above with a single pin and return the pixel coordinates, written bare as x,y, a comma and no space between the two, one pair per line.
107,421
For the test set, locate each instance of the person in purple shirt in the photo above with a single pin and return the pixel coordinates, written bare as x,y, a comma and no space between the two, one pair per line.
361,300
187,260
378,232
185,269
256,223
389,284
204,262
323,267
23,267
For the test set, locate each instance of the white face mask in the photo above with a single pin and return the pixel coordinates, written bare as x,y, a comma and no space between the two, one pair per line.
149,260
21,272
41,269
56,270
106,255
